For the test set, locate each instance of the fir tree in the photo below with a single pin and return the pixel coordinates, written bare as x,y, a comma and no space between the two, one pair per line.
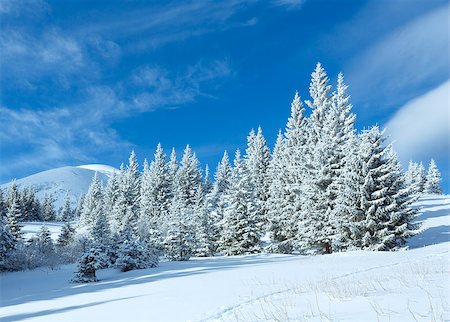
30,205
66,212
78,211
216,200
156,191
433,179
88,265
385,201
111,195
93,203
48,208
282,223
13,217
240,234
187,179
132,253
257,162
66,236
207,184
179,240
8,243
204,245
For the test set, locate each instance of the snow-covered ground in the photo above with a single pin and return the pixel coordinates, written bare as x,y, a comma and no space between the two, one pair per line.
409,285
74,181
30,229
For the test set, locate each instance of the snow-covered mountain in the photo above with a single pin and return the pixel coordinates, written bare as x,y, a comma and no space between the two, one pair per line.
72,180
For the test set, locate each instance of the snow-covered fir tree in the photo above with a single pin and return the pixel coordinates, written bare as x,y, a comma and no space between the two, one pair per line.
281,224
48,208
216,200
13,216
179,240
287,174
240,234
187,179
207,184
257,160
110,197
79,209
93,203
132,252
416,177
204,244
385,201
156,191
31,207
88,264
66,211
8,243
131,189
101,237
66,236
433,179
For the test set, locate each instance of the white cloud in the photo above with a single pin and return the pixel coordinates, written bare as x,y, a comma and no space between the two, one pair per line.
402,62
421,128
83,131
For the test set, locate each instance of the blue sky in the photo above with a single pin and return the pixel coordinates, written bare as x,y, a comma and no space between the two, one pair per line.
87,81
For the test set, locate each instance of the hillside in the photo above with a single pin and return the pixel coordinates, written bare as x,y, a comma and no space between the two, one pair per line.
408,285
70,180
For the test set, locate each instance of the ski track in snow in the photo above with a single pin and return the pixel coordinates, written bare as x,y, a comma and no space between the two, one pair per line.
220,315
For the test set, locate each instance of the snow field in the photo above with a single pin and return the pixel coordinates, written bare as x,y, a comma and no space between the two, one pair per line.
411,285
30,229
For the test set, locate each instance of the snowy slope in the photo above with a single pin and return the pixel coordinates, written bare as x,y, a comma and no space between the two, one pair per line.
358,286
30,229
72,180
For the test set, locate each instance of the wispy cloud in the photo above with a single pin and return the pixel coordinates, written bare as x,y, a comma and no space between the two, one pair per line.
83,131
154,87
57,136
407,60
420,129
161,24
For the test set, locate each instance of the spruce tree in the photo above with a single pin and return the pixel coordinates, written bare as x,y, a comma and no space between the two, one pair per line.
8,243
156,191
12,219
433,179
93,203
216,200
187,178
204,244
257,159
282,225
48,208
179,240
240,234
411,176
421,178
30,205
88,264
111,194
66,236
66,212
385,201
132,252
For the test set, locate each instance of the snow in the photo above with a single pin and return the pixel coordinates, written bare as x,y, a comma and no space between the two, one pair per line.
59,181
30,229
408,285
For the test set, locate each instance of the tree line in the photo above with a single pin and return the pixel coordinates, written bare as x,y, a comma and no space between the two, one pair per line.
325,187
